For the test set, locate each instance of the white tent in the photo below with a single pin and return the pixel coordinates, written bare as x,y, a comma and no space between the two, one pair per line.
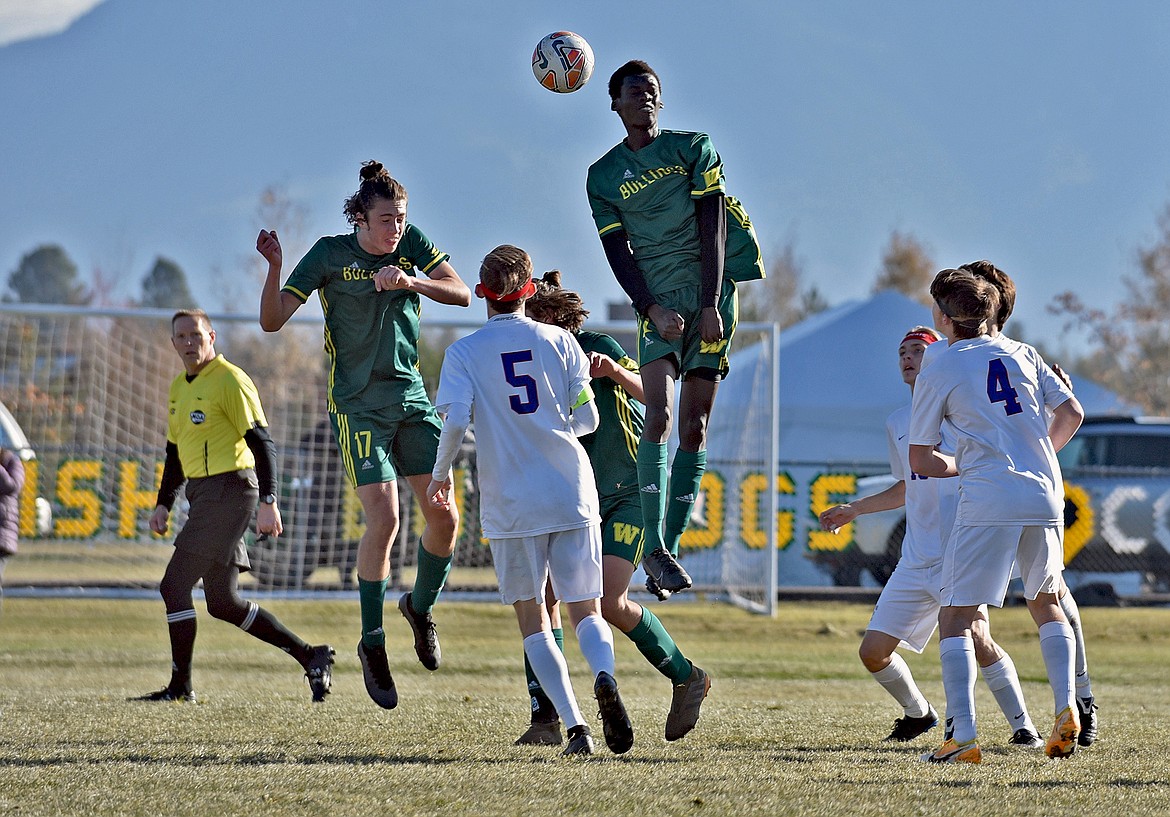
839,381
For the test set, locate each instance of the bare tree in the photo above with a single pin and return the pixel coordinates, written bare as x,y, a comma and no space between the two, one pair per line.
1130,345
906,267
779,297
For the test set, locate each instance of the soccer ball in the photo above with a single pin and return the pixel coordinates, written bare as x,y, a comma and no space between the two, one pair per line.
562,62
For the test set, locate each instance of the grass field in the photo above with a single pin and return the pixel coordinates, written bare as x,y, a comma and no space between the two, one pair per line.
792,726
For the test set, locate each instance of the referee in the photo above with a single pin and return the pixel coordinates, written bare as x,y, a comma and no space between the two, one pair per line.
218,443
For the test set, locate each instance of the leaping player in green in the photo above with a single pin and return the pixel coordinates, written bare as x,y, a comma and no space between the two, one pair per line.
383,421
677,245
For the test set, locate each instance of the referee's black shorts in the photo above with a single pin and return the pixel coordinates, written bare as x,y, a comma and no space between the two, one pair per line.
221,508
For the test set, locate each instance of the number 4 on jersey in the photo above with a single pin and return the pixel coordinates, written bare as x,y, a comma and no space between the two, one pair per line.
999,388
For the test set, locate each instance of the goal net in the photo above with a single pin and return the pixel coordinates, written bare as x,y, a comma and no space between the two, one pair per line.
89,390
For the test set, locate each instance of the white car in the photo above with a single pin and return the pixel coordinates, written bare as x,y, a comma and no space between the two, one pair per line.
12,437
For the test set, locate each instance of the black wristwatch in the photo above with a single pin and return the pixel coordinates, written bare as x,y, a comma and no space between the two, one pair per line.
268,499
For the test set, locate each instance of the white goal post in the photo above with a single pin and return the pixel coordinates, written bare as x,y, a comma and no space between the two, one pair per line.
89,389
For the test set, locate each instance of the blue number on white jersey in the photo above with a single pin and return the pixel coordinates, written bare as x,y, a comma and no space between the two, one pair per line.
531,401
999,388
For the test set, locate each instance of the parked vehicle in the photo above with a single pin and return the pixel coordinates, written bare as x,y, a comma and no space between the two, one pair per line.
1117,506
12,437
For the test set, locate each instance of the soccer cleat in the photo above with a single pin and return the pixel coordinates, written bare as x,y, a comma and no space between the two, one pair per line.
319,672
169,693
907,728
951,752
1026,738
580,741
426,640
685,703
665,570
376,670
1088,712
541,733
619,732
1063,740
654,590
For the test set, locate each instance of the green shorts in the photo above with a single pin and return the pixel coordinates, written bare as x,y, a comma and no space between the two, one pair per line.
690,351
374,449
621,529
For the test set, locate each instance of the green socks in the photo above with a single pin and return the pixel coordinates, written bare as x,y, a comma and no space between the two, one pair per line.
372,596
652,479
429,580
686,473
652,640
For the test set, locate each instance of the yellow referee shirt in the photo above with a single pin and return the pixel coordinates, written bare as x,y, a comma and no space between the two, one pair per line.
209,416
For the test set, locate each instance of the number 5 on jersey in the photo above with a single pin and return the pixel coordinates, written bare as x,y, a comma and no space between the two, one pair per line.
530,401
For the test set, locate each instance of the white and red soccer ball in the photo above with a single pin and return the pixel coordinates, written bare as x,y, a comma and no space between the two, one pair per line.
562,62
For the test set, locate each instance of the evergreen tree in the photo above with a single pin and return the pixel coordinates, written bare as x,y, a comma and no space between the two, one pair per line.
47,275
165,287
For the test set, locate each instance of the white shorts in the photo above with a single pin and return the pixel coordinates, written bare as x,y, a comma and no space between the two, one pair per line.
978,562
908,606
572,558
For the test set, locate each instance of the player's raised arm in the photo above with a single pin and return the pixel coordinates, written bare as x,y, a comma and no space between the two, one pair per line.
443,285
276,307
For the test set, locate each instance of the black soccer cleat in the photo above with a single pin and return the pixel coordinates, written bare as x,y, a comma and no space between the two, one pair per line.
170,693
376,671
319,672
665,570
1026,738
907,728
619,732
655,590
426,640
580,741
685,703
1088,712
541,733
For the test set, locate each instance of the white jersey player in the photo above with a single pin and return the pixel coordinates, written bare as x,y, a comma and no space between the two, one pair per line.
994,392
907,610
527,386
1085,699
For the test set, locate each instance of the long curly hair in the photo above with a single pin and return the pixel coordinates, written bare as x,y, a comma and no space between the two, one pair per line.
553,305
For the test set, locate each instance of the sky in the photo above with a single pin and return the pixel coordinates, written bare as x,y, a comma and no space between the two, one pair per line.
1032,134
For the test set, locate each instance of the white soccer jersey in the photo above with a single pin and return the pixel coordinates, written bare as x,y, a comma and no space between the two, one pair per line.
995,391
521,378
930,501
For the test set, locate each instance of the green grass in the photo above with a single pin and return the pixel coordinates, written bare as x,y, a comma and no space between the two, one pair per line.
792,726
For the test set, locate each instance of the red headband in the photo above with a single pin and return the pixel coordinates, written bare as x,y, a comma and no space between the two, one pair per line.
526,291
925,337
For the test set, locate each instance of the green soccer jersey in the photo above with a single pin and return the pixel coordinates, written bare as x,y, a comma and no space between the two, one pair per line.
651,194
371,337
613,447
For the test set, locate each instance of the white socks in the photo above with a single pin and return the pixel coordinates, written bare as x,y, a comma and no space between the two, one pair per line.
1058,646
959,671
1073,613
897,680
553,674
596,640
1004,683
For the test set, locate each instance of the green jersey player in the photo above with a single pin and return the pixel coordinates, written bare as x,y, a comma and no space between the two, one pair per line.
677,245
612,450
383,422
